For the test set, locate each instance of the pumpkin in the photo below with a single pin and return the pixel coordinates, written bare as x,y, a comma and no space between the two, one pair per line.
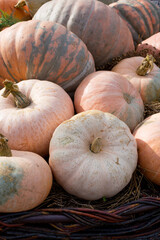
21,13
142,17
93,155
152,44
105,34
110,92
30,111
45,51
25,179
143,73
33,5
147,135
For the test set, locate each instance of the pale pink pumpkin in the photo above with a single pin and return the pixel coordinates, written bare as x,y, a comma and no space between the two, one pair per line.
25,179
30,128
110,92
147,135
148,84
93,155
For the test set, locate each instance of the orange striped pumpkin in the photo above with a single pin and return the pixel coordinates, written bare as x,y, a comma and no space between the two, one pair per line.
105,34
45,51
141,16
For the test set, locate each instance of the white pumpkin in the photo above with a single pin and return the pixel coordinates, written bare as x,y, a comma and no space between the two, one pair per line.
92,155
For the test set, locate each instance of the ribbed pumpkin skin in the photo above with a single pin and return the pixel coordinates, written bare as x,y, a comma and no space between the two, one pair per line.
44,50
152,44
148,85
141,16
147,135
110,92
8,7
101,29
25,181
87,174
31,128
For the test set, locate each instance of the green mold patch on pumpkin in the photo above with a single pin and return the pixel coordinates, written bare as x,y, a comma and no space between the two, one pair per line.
10,181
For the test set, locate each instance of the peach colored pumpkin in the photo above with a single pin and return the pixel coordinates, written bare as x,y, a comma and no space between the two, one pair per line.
30,128
147,135
93,154
148,85
110,92
152,44
25,179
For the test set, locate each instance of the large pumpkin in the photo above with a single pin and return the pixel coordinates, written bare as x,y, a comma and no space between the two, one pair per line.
147,135
43,50
30,111
143,73
110,92
142,17
93,155
25,179
98,25
8,6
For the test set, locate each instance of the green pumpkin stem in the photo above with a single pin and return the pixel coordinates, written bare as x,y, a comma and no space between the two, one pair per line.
146,66
96,145
20,3
4,149
20,99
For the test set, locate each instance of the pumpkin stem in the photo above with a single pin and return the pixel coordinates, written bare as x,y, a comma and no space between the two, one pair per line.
96,145
20,99
146,66
4,149
20,3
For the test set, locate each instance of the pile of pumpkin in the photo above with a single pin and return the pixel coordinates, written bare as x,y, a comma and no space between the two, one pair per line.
61,118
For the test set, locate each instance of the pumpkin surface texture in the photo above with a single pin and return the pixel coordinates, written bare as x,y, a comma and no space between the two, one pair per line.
152,44
147,135
105,34
44,50
25,179
93,155
30,114
142,17
143,73
110,92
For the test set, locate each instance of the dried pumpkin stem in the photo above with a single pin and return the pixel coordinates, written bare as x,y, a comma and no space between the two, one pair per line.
20,3
96,145
20,99
146,66
4,149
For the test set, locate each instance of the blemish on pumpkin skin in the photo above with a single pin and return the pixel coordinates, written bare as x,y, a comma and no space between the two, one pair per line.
66,140
10,179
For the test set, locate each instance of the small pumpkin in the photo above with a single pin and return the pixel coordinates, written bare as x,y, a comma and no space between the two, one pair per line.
143,73
147,135
105,34
9,7
25,179
93,155
33,5
110,92
45,51
142,17
30,111
152,44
